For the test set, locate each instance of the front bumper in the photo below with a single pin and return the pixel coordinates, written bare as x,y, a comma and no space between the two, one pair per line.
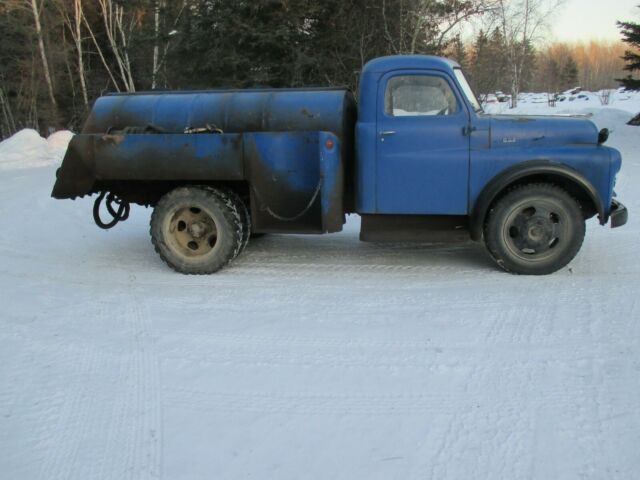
619,214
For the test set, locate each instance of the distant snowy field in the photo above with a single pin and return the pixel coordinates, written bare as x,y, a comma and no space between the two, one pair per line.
538,103
312,357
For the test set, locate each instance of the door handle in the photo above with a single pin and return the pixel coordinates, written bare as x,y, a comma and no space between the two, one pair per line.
468,130
386,133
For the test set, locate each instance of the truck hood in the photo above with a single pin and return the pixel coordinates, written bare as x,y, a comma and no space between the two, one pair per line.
524,131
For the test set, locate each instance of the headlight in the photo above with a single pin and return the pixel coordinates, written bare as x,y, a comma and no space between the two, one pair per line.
603,136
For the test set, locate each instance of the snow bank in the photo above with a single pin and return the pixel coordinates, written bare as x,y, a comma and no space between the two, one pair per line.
27,149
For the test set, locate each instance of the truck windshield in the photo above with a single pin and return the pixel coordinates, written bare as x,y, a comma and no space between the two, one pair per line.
468,91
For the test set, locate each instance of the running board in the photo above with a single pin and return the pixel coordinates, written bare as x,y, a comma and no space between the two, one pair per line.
414,228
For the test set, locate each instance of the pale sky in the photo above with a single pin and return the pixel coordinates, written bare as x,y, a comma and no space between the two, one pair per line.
581,20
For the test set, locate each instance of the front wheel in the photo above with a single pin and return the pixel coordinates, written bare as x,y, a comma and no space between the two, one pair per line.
534,229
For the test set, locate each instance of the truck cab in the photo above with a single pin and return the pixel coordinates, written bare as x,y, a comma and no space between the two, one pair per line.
416,158
412,138
425,148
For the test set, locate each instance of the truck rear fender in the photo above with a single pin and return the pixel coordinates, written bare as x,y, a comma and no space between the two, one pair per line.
296,181
537,172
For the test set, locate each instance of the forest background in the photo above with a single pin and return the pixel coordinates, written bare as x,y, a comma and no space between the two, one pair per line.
58,56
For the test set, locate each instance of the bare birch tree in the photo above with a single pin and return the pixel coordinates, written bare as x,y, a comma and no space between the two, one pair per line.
101,53
160,62
158,11
521,21
74,24
119,31
77,23
8,125
453,19
36,9
428,22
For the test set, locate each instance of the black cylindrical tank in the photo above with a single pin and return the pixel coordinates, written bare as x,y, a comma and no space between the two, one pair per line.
234,111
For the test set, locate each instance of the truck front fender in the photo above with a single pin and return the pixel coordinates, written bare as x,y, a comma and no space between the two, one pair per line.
533,171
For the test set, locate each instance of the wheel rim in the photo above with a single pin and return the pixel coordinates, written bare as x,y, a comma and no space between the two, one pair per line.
535,231
191,231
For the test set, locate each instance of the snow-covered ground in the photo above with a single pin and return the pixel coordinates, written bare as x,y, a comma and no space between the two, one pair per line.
311,357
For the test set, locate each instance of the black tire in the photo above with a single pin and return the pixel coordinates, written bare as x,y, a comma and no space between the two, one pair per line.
196,230
243,211
534,229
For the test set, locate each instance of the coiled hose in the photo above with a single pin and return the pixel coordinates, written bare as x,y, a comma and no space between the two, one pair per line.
119,214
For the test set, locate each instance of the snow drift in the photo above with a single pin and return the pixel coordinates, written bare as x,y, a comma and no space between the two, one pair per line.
27,149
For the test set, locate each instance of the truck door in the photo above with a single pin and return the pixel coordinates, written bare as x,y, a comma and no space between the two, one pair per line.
422,145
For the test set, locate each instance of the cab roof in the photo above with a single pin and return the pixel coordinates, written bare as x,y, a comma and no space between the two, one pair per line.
409,62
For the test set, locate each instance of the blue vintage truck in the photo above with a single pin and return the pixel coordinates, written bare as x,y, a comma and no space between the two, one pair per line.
416,158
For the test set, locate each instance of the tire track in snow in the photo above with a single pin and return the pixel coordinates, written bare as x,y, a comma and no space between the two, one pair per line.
440,403
432,359
27,400
276,346
350,264
489,431
145,460
115,421
76,416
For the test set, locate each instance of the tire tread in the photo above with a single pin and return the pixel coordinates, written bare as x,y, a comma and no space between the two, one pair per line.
229,211
491,242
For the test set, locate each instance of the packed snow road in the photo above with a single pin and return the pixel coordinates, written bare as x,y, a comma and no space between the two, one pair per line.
311,357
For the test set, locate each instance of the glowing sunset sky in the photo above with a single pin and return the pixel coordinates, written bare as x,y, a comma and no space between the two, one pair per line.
581,20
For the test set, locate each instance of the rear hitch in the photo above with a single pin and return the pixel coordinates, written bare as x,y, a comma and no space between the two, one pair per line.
119,214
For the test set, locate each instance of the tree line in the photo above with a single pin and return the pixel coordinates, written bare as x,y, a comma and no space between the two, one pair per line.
58,56
553,68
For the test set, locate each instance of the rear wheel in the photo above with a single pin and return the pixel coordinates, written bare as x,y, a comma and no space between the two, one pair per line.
196,230
535,229
229,196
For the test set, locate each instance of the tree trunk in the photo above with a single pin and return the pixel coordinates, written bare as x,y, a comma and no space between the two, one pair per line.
78,40
8,126
125,45
100,54
156,44
515,90
112,16
43,56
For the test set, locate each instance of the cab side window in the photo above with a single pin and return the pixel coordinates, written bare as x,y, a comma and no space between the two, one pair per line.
419,95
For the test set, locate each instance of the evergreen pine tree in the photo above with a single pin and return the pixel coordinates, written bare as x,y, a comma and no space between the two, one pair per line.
497,49
552,75
528,66
478,71
631,35
488,66
458,51
569,75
